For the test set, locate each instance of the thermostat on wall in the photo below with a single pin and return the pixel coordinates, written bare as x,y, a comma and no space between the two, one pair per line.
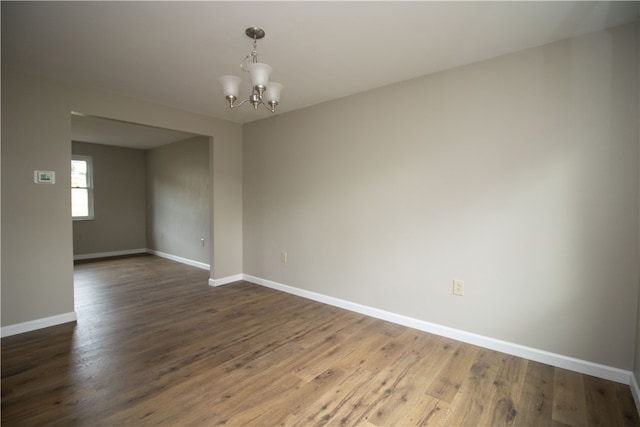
44,177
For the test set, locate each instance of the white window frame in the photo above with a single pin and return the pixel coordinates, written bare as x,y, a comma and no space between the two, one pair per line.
89,187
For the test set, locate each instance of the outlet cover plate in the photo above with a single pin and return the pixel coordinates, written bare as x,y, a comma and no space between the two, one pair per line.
458,287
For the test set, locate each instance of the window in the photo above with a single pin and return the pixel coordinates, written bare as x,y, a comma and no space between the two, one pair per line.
81,187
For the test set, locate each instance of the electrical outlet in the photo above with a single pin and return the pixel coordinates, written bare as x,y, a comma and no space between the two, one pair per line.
458,287
283,256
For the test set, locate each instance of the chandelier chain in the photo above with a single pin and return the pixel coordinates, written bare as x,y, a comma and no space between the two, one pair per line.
251,58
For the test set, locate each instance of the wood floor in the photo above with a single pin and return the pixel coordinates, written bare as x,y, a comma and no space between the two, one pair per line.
155,345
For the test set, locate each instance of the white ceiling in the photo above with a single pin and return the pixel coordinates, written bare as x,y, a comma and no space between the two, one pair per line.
173,52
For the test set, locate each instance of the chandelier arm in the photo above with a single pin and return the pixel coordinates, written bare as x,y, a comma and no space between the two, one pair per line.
271,108
244,101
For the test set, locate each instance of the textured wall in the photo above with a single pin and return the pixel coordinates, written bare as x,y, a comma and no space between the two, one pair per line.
178,199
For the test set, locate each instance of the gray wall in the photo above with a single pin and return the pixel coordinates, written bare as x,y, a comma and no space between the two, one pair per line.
37,262
119,200
517,174
178,199
37,246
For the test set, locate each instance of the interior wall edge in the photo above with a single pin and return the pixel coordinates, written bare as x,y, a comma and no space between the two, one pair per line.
635,391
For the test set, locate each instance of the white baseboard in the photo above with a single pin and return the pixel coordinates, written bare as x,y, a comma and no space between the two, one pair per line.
193,263
32,325
225,280
109,254
142,251
635,391
542,356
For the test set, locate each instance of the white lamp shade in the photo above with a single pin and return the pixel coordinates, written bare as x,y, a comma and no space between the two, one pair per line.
230,85
259,74
273,92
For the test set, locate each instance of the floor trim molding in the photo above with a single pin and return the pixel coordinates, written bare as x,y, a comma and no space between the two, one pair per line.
225,280
109,254
176,258
187,261
542,356
32,325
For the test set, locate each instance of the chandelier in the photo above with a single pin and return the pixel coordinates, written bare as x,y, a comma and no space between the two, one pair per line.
264,92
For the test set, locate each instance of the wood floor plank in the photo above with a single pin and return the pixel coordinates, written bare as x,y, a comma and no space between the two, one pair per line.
408,404
630,416
471,403
389,378
602,402
327,405
379,352
298,400
156,345
506,391
536,400
569,404
418,410
446,385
